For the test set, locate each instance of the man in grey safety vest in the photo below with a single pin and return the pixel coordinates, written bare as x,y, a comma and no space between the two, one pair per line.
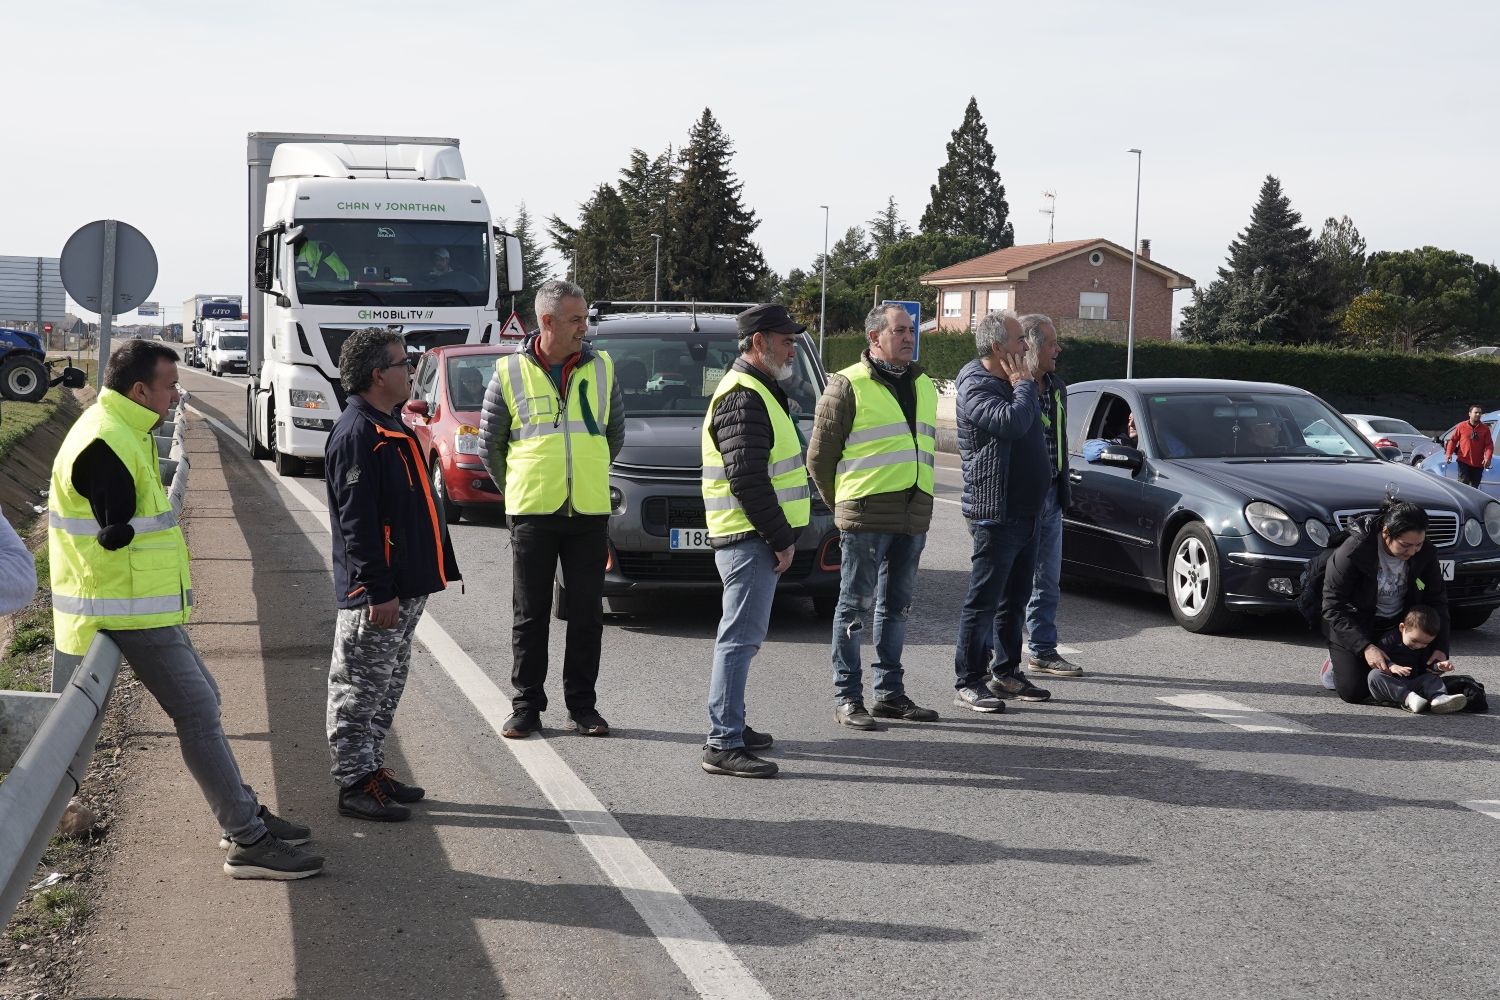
756,501
871,457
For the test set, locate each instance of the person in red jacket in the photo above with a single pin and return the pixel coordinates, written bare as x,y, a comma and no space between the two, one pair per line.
1475,447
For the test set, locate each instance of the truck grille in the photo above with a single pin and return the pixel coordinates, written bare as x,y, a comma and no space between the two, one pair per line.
1442,525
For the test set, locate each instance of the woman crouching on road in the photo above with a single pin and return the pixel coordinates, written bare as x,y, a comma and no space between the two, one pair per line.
1386,567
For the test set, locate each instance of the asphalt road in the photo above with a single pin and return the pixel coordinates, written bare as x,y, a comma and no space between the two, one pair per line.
1115,842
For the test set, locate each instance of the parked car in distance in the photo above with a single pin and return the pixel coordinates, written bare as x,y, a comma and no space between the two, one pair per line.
669,358
1388,432
1434,463
1233,486
443,412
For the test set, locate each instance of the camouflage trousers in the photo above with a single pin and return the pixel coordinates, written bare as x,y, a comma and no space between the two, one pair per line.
365,682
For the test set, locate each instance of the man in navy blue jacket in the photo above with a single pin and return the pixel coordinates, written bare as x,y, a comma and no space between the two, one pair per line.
390,552
1005,469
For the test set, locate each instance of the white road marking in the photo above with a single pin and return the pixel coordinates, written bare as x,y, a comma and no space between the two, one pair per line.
955,503
1251,720
1489,807
709,965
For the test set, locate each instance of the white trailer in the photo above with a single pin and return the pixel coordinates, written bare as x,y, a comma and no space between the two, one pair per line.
348,232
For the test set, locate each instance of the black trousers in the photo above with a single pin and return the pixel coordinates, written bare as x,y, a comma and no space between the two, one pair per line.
1470,475
1351,674
539,542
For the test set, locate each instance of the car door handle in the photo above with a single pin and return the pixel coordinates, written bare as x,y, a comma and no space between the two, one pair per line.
1075,477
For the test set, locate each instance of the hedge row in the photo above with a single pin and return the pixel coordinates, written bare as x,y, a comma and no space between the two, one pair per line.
1332,374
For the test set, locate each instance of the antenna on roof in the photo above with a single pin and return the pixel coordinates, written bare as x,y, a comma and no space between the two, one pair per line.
694,308
1050,212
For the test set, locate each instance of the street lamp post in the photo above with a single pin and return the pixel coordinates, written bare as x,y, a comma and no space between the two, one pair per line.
1135,253
656,282
823,305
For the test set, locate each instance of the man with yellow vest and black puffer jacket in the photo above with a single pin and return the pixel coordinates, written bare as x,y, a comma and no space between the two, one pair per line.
756,501
871,457
553,419
119,566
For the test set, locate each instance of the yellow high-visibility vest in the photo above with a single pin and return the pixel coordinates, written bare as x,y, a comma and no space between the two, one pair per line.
881,453
553,459
146,584
788,472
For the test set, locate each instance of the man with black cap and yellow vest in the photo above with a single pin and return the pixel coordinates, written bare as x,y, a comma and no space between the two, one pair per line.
119,565
871,456
756,499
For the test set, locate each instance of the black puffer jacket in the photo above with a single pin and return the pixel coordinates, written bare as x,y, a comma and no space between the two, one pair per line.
1349,588
741,429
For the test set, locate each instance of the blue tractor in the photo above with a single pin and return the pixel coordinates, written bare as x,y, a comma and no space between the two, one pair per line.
25,372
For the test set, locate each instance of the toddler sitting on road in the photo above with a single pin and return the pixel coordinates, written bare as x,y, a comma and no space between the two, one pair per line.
1409,680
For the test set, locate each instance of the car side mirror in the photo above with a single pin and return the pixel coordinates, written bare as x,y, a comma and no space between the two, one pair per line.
1389,454
1122,457
416,407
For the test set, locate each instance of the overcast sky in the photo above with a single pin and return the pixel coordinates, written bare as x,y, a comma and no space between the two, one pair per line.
138,111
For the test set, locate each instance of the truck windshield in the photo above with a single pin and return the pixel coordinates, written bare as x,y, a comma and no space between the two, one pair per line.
393,262
676,374
237,342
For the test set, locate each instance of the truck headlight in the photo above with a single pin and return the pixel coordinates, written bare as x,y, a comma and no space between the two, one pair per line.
1272,523
1473,533
1492,520
466,440
308,399
1317,532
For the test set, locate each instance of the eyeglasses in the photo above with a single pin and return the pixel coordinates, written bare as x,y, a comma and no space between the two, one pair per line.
408,362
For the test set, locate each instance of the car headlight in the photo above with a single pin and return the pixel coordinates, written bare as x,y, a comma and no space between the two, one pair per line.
1492,520
466,440
308,399
1473,533
1317,532
1272,523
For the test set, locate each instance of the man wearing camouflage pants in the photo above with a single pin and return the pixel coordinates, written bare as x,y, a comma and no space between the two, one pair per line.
390,551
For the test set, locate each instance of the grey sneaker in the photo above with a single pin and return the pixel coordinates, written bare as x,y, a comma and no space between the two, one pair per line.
1017,686
271,858
284,830
853,715
1054,664
978,699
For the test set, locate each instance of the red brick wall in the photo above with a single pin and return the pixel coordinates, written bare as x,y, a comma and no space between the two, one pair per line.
965,318
1054,290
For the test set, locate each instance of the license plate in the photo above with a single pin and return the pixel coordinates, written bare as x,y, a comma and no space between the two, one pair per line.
689,538
1447,565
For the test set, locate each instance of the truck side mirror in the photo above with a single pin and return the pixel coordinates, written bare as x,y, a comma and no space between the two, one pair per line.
265,261
510,275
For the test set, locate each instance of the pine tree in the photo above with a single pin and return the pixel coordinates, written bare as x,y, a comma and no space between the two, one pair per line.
599,246
1341,251
533,265
646,187
713,257
888,228
968,198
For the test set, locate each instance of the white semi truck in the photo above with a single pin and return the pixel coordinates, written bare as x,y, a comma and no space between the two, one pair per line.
348,232
195,311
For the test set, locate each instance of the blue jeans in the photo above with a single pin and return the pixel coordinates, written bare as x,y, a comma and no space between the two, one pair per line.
879,569
1041,612
1000,579
748,570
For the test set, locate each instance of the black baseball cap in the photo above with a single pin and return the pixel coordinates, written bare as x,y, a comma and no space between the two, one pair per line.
768,318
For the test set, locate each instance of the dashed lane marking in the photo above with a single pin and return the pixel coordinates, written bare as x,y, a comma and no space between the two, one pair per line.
707,963
1251,720
1489,807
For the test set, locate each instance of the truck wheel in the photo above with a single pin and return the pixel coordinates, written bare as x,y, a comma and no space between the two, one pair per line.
286,465
258,451
23,379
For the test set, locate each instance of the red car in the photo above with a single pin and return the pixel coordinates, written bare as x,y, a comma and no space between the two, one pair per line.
446,397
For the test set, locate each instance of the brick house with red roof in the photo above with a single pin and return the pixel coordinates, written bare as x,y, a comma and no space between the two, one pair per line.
1084,285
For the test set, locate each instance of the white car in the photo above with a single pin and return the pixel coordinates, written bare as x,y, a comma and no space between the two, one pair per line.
1383,432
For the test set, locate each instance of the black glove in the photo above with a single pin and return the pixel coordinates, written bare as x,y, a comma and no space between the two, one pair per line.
116,536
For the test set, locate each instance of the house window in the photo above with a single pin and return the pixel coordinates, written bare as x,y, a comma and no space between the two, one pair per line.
1093,305
952,304
999,299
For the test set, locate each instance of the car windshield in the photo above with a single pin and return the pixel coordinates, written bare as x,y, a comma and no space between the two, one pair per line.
1390,425
468,375
234,342
668,374
393,262
1249,425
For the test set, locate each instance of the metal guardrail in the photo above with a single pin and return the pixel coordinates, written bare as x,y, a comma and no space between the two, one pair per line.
50,768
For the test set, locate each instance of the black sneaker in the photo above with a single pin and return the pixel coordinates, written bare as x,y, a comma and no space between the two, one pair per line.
399,790
756,741
1017,686
902,707
283,830
367,799
271,858
521,724
737,763
587,724
853,715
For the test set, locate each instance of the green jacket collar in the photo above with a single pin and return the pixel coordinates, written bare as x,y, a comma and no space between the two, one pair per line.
128,411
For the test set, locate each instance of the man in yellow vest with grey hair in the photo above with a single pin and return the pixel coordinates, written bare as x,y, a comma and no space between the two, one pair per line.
119,566
756,500
871,457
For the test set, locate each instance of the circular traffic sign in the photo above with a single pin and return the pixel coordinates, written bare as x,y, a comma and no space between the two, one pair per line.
82,267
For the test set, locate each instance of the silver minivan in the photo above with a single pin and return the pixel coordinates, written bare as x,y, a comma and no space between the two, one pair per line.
669,358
